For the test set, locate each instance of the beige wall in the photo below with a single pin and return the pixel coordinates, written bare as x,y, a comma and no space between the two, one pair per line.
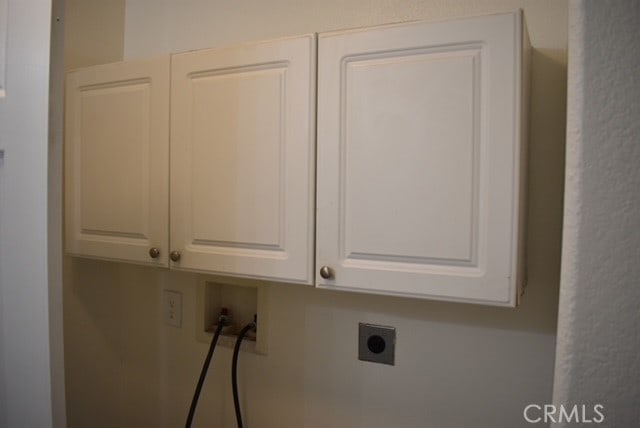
94,32
456,365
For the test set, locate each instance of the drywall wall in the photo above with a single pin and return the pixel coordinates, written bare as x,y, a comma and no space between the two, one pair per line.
94,32
456,365
25,394
91,32
160,26
598,336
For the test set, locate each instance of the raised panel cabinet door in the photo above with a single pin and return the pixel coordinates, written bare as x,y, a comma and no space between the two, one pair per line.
420,167
117,161
242,160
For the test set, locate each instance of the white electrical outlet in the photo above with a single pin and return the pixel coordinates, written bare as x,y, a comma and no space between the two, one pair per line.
173,308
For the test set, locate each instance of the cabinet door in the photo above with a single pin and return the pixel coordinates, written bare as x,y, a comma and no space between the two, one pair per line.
242,159
419,159
116,171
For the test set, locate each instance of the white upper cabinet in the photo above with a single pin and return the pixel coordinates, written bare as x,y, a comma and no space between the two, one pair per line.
420,169
243,160
117,161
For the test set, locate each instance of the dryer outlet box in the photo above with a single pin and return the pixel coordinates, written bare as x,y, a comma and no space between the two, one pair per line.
376,343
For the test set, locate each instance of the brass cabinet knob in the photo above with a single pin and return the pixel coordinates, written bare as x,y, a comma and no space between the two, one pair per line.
326,272
174,256
154,252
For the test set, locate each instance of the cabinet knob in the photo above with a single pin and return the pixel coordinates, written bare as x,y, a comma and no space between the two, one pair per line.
154,252
174,256
326,272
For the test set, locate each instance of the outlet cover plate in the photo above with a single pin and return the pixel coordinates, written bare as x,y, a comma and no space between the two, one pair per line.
376,343
173,308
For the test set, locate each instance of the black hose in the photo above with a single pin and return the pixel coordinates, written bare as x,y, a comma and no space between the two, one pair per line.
234,370
203,373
